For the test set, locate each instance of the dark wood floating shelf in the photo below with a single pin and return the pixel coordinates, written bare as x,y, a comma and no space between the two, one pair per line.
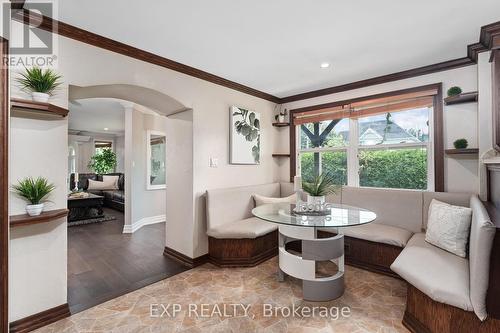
281,124
465,151
47,216
469,97
23,108
281,155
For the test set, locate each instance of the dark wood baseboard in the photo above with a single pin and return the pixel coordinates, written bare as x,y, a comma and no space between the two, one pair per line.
41,319
371,256
424,315
184,259
246,252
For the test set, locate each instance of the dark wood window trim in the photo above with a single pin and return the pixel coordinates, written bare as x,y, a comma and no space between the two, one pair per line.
438,127
4,186
496,98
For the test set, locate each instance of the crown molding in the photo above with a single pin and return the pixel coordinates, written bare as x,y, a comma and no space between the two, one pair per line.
66,30
489,39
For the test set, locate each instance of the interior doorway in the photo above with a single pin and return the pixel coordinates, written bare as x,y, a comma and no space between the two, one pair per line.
116,230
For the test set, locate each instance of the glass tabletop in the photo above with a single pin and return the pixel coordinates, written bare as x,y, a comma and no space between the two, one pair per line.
335,216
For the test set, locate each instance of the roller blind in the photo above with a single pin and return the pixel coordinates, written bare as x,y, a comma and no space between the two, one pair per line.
363,108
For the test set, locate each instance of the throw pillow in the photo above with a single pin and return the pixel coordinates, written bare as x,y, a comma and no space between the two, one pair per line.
262,200
112,179
448,227
104,185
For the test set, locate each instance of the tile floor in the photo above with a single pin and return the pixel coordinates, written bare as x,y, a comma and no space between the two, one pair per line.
376,304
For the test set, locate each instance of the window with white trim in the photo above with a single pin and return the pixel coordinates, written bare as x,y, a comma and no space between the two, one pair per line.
385,145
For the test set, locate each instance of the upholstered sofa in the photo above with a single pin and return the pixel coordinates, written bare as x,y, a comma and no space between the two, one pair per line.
112,198
235,237
444,290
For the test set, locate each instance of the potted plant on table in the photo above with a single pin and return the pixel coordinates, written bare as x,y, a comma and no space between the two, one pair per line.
103,162
40,83
35,191
319,187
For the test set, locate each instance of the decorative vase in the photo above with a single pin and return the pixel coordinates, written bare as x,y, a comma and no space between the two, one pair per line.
40,97
34,210
315,202
281,118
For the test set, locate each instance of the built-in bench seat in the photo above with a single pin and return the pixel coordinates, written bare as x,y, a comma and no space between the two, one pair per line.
235,237
380,233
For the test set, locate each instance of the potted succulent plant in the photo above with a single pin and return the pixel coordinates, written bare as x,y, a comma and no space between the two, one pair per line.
460,144
454,91
40,83
35,191
318,188
280,117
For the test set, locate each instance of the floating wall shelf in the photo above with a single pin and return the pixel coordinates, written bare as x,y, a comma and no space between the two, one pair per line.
464,152
469,97
281,155
47,216
22,108
281,124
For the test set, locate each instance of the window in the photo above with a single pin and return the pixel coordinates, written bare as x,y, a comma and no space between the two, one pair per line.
101,145
384,144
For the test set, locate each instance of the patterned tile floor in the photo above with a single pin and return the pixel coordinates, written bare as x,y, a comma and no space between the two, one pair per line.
376,304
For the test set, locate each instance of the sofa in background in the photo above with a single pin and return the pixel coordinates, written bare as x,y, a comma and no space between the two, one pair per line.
112,198
235,237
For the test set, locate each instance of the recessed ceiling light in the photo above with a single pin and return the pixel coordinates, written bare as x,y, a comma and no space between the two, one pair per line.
105,128
324,65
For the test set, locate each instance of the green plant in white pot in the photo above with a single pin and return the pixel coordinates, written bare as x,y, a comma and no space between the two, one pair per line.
319,187
34,191
40,83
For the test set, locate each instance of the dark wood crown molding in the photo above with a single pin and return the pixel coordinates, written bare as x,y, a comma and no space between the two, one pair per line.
84,36
443,66
489,38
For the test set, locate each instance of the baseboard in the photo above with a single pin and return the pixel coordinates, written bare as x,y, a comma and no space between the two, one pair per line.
41,319
184,259
129,229
244,262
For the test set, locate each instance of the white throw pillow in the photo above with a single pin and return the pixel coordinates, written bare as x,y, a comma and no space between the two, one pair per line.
104,185
262,200
449,227
113,179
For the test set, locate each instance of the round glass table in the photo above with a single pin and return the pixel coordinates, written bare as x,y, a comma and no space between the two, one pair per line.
296,225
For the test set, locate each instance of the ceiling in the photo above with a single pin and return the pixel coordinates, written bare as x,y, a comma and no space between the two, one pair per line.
277,46
93,115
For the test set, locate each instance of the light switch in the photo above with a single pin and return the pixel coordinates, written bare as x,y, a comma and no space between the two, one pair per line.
214,162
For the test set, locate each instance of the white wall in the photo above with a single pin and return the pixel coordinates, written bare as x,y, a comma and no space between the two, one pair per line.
38,256
460,121
146,206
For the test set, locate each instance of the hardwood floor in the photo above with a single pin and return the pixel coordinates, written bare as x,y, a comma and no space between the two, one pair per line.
104,263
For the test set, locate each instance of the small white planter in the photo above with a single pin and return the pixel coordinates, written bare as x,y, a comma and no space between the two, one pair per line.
281,118
40,97
315,202
34,210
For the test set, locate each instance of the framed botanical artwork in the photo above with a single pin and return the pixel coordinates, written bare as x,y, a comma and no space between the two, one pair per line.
244,136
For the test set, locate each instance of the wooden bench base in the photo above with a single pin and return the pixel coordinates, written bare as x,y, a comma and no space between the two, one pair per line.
424,315
372,256
244,252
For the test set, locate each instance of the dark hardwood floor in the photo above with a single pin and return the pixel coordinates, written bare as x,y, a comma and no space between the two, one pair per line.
104,263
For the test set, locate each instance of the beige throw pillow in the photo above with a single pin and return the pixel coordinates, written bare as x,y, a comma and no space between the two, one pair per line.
449,227
262,200
112,179
104,185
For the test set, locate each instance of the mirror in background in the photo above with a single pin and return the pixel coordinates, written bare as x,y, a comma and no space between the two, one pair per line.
156,170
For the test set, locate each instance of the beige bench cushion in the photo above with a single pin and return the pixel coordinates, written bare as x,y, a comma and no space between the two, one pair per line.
398,208
381,233
248,228
442,276
481,242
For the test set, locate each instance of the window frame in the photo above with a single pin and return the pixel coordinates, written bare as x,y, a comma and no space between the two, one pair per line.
434,146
